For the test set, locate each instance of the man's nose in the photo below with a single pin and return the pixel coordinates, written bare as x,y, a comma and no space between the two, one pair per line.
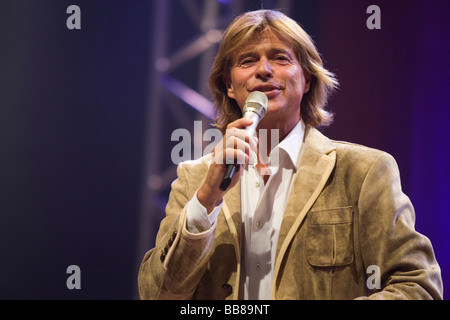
264,69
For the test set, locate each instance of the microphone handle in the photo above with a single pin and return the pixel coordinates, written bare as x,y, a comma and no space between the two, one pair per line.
228,176
231,168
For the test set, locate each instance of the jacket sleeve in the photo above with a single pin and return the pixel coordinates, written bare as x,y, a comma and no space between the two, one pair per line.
173,269
405,258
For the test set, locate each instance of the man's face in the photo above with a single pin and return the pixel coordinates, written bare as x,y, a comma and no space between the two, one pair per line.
270,65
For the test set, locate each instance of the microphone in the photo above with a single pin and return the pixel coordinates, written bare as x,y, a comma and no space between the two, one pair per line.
255,108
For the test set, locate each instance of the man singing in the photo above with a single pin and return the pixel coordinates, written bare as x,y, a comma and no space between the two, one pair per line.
306,223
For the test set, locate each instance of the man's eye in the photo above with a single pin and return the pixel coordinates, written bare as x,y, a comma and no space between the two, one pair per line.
247,61
281,58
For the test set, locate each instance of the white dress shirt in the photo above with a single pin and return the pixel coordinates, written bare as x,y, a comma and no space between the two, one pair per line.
262,208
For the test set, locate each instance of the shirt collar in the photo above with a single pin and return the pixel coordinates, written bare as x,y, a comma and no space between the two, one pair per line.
291,144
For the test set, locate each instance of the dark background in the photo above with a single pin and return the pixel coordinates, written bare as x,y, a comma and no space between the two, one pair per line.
75,113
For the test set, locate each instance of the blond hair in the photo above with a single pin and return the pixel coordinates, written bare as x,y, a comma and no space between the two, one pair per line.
249,25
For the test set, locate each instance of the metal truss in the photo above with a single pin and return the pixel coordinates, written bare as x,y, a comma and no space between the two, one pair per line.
186,34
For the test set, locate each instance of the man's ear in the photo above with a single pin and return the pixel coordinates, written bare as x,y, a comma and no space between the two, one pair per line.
307,81
229,85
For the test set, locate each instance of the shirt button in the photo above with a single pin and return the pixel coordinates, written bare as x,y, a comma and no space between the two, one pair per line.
259,224
257,184
257,266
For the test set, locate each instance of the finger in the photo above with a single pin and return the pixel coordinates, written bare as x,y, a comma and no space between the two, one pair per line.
236,132
240,123
237,143
234,156
243,135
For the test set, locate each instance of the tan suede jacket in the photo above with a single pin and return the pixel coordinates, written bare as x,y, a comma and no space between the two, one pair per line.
347,232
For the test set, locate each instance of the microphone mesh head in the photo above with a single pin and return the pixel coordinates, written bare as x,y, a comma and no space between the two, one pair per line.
256,102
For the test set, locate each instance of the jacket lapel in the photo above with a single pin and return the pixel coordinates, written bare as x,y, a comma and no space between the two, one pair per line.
316,162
